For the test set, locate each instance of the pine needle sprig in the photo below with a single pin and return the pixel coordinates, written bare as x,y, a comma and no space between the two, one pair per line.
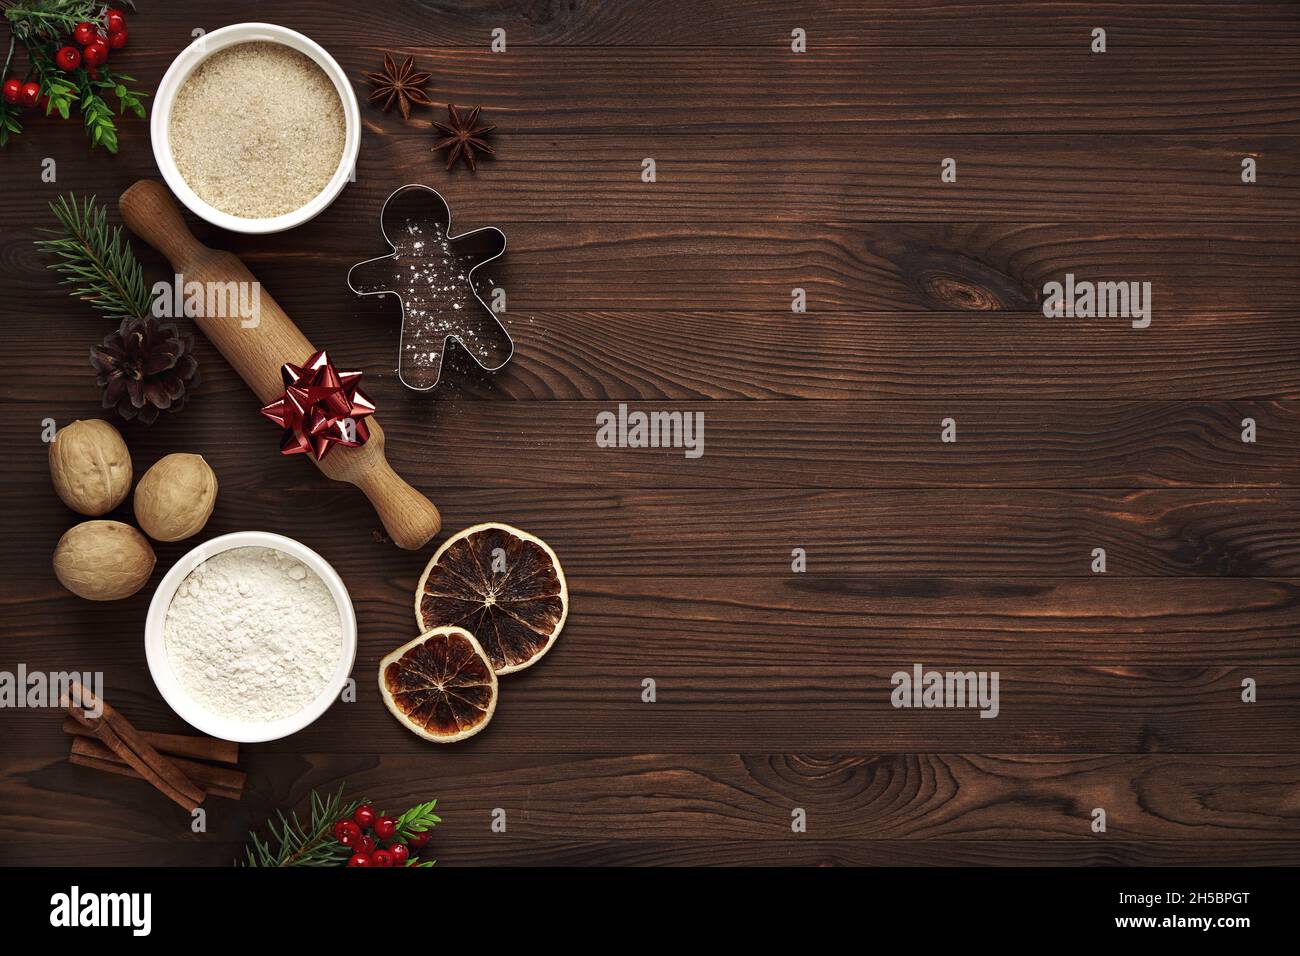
53,19
96,260
293,844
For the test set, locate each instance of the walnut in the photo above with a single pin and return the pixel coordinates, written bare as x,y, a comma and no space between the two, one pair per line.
90,467
175,497
103,560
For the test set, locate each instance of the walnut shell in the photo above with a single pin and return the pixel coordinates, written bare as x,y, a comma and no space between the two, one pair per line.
103,560
90,467
175,497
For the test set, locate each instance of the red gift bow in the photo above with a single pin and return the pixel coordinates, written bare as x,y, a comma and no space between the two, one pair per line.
317,400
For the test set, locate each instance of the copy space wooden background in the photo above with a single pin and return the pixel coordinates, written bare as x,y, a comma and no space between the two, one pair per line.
775,170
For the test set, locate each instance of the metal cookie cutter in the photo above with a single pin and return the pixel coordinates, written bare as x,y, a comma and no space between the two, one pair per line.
432,274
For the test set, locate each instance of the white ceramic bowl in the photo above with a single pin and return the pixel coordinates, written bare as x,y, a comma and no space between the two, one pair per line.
179,72
155,647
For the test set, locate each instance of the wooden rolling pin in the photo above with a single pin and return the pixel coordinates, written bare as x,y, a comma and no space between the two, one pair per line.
257,354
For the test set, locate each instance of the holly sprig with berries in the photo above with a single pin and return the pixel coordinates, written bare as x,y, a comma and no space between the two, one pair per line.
67,45
346,833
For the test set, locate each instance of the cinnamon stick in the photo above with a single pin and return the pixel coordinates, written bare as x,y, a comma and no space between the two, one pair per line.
177,745
115,732
215,781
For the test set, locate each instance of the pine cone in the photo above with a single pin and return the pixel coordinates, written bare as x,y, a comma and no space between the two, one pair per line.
144,368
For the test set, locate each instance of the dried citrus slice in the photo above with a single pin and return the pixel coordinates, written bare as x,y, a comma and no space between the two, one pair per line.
503,585
440,685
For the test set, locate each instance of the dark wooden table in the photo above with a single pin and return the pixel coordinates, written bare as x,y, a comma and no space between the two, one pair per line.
775,171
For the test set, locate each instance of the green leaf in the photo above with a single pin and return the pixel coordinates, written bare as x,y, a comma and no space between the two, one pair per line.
418,819
9,124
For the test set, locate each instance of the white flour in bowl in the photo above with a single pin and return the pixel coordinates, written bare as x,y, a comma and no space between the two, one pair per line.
253,635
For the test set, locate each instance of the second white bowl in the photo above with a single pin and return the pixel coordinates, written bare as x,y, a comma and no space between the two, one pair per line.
155,644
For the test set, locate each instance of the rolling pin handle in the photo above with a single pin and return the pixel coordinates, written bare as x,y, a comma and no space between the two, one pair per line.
410,518
150,212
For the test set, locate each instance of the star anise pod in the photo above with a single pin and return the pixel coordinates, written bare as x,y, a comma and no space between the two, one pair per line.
462,135
145,368
400,86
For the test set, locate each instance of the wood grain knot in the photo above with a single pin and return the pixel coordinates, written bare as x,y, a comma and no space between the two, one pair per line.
950,281
956,292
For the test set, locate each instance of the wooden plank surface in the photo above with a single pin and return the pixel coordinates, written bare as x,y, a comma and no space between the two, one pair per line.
919,808
775,170
957,797
760,23
712,705
813,445
685,356
752,267
833,176
622,90
750,533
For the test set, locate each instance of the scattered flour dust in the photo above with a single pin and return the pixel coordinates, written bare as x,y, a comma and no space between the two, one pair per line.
257,130
253,634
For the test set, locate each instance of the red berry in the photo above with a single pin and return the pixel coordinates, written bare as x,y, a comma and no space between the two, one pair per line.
381,858
347,833
367,844
93,73
360,859
418,840
68,57
114,19
117,39
13,90
84,32
95,52
365,816
385,828
30,94
400,854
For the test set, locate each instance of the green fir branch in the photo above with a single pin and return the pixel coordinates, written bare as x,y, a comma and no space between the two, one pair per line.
54,19
293,844
96,260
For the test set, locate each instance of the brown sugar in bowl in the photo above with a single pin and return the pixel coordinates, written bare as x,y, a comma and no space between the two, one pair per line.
255,128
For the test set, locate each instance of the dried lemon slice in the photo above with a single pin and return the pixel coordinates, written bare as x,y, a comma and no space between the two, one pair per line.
504,586
440,685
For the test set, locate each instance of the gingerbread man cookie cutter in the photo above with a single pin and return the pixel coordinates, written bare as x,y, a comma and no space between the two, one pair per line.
431,272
